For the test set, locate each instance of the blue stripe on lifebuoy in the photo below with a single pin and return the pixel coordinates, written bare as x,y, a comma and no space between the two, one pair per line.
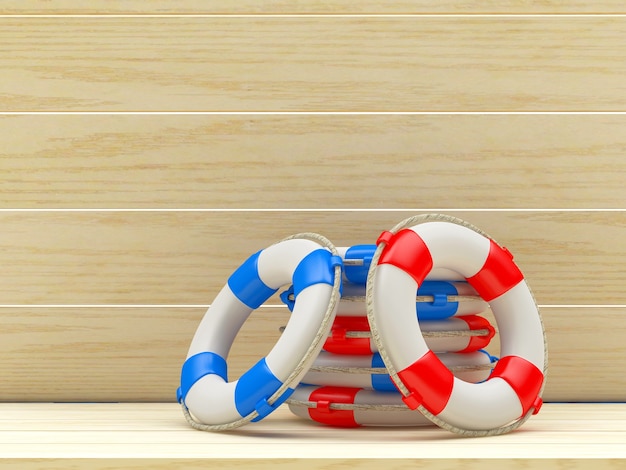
255,387
318,267
196,367
358,274
381,382
246,284
439,308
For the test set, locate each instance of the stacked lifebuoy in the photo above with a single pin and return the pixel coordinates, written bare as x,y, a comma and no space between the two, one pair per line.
350,367
386,334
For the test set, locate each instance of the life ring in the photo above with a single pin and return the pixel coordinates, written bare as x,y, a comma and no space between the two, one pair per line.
434,300
369,372
438,297
351,335
349,407
405,255
209,400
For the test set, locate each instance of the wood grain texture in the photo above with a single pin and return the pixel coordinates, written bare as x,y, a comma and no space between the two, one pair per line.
311,161
565,435
307,64
186,257
302,7
230,163
135,354
72,463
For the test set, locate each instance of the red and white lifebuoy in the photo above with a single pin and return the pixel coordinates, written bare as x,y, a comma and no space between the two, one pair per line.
404,257
351,335
349,407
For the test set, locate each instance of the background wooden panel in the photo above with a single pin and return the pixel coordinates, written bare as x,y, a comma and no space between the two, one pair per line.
135,354
442,63
186,257
312,161
303,6
339,64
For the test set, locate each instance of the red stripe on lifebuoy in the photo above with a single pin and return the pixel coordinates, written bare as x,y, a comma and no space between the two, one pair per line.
430,383
523,377
337,342
478,323
498,275
407,251
324,396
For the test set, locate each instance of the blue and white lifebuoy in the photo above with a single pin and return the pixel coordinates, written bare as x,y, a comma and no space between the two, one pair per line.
307,261
402,261
349,407
434,300
442,295
369,372
351,335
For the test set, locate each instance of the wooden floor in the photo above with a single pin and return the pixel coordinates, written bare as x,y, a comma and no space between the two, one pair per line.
128,435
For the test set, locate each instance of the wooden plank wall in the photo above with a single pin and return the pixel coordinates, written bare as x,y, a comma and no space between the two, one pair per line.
147,148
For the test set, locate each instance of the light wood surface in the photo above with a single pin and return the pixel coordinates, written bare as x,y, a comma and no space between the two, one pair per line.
311,161
135,354
563,434
326,64
303,7
186,257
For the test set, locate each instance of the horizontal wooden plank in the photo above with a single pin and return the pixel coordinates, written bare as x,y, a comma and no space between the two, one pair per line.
312,161
135,463
302,7
135,354
306,64
108,355
186,257
556,439
72,463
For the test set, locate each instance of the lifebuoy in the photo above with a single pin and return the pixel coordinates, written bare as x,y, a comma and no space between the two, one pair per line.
442,295
369,372
404,257
351,335
434,300
310,263
349,407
